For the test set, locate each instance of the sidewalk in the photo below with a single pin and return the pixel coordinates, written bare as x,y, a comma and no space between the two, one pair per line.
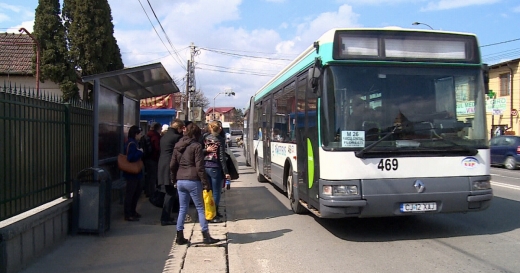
143,246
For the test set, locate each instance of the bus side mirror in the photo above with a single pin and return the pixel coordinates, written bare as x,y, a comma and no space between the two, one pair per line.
314,75
485,73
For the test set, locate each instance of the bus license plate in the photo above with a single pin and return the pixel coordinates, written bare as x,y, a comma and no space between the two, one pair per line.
418,207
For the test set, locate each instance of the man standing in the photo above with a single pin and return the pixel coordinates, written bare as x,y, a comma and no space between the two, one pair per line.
171,198
151,157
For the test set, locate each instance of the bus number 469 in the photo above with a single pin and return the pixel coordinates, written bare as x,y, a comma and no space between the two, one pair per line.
388,164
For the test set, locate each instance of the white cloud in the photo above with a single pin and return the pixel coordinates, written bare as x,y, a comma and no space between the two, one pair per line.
309,31
203,22
4,17
4,6
453,4
516,9
27,25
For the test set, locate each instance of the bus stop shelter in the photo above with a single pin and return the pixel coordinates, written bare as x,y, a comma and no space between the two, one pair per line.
116,97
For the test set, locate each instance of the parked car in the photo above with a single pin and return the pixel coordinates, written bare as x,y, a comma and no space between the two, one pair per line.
236,137
505,151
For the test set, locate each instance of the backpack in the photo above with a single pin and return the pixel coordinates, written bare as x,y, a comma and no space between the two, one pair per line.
146,143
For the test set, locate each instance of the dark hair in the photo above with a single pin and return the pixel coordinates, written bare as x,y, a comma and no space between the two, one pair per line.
193,131
156,126
133,131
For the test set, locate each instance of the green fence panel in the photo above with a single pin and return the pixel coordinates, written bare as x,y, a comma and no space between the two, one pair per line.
44,143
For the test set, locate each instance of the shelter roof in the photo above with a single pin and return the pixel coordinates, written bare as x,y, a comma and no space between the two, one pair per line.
138,82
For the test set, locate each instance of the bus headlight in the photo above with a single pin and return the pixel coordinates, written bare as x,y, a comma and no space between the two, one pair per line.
339,190
481,185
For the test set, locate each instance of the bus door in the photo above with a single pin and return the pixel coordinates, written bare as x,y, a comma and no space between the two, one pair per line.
301,146
311,144
307,143
267,135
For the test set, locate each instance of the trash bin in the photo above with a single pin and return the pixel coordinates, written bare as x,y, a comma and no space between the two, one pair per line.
91,201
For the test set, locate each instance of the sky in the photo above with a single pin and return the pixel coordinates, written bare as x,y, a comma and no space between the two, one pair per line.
241,45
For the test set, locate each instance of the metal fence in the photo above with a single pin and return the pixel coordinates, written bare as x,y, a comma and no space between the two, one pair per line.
44,142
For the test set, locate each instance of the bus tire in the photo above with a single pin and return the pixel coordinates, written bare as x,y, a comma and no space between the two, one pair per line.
294,199
260,177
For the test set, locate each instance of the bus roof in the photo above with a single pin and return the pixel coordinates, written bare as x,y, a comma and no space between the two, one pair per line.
306,58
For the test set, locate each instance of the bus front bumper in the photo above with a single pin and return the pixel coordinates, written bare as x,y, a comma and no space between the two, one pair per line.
386,198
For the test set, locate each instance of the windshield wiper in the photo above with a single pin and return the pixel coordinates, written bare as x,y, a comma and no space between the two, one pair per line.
371,146
472,151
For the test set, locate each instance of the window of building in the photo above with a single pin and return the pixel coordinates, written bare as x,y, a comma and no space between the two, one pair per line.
505,89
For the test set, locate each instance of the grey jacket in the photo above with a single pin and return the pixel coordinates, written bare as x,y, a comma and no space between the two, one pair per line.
188,161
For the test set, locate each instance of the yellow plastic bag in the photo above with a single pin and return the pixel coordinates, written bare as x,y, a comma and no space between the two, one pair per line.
209,204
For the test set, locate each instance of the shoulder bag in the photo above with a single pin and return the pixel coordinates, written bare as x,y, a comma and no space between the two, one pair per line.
127,166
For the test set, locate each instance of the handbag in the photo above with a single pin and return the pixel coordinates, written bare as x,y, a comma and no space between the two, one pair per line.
232,165
210,208
157,198
127,166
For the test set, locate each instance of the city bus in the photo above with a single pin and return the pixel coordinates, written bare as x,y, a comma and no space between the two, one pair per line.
376,122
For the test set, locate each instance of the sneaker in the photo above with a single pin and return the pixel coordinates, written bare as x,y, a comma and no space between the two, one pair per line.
215,220
188,219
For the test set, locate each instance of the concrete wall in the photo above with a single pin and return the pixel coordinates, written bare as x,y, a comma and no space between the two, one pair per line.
26,237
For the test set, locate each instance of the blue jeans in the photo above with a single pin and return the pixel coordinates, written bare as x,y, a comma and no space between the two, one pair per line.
215,175
193,189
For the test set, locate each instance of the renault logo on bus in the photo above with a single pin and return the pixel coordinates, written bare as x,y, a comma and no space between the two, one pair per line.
419,186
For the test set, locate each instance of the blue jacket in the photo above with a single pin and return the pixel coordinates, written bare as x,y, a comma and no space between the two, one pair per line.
133,154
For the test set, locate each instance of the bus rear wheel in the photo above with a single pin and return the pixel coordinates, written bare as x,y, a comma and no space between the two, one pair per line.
292,194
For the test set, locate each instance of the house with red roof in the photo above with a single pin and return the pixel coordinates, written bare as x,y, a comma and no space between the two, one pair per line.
224,114
16,64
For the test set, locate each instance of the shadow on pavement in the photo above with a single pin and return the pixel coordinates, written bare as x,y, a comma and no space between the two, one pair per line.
253,203
498,218
246,238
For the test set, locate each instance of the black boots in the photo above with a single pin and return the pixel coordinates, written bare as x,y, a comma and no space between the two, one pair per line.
180,238
218,214
207,238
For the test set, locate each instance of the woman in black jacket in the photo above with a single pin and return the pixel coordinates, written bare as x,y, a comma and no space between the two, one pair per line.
171,199
187,172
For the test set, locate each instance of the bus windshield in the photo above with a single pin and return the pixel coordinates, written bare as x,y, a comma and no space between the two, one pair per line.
415,109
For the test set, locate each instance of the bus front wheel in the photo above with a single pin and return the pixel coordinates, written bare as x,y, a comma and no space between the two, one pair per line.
292,194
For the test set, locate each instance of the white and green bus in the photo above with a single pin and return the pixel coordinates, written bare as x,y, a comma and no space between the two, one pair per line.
376,122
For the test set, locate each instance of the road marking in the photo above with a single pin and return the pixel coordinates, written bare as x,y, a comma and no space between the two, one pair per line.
505,185
516,178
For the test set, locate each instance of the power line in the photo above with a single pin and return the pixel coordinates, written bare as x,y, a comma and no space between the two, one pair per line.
245,56
238,72
245,70
165,35
499,43
180,63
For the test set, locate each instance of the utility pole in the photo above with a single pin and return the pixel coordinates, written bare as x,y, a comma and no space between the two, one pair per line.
190,86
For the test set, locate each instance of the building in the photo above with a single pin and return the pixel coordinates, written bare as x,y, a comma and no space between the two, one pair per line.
16,62
503,107
223,114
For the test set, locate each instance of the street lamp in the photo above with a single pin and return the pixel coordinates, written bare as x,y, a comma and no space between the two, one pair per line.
418,23
227,93
37,59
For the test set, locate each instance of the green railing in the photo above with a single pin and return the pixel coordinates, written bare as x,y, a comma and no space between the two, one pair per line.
44,142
